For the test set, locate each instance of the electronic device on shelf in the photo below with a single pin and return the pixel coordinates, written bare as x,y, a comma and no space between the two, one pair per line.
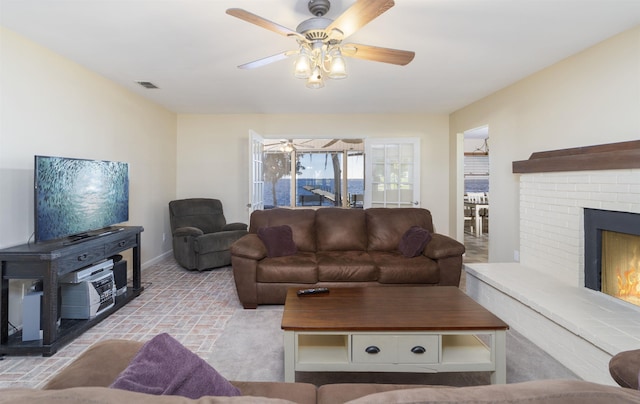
88,292
84,274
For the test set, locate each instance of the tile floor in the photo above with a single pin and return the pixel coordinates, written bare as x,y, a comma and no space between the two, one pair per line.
191,306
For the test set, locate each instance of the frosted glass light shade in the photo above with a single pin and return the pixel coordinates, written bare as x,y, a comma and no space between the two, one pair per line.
338,69
302,66
315,79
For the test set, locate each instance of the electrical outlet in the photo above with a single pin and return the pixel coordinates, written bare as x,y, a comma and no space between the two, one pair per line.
516,255
164,237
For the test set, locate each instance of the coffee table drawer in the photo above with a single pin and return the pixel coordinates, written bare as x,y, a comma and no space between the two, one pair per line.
386,348
418,349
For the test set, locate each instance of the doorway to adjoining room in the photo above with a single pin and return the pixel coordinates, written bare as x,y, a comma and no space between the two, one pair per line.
476,194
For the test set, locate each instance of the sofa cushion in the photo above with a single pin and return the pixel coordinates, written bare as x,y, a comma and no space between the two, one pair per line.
278,240
163,366
99,365
341,229
343,392
346,266
103,395
534,392
299,268
387,226
413,241
394,268
301,393
302,222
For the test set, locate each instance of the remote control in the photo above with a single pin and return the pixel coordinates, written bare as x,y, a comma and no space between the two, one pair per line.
313,291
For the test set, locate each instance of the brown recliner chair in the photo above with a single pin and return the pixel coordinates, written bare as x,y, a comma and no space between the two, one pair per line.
201,235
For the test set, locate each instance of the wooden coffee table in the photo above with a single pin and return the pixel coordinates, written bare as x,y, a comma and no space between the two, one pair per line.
424,329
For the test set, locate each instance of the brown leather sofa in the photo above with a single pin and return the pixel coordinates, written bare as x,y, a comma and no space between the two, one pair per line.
85,380
341,247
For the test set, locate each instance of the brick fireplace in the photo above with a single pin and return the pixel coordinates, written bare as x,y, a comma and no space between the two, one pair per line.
544,296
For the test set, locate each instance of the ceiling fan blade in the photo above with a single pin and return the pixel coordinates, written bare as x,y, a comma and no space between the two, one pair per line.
377,54
269,59
358,15
262,22
331,143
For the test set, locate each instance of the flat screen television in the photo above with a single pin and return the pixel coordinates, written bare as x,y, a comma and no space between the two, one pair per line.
77,199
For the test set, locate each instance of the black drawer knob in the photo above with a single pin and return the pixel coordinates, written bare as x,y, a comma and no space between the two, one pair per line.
418,349
122,243
372,349
83,257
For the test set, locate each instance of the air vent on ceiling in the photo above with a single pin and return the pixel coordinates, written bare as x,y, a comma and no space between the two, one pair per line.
147,84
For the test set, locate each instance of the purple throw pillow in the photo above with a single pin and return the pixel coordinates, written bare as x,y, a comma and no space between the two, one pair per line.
278,240
414,241
163,366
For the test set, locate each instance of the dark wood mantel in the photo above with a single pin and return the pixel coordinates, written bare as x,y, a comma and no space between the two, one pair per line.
610,156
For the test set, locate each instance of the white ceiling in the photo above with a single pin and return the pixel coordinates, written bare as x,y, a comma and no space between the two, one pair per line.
465,49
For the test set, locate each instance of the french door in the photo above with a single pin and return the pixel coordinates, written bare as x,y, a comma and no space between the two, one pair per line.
256,183
392,173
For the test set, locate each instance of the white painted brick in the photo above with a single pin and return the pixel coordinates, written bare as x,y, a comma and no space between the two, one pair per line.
552,242
552,205
615,188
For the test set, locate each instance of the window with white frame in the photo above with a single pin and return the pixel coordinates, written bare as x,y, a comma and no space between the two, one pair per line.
313,172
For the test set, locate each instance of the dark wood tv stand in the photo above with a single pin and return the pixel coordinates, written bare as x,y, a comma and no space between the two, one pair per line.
47,262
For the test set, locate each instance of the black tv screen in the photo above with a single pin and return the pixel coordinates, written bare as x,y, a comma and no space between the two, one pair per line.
75,197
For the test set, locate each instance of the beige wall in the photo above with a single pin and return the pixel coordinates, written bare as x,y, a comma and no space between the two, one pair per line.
213,152
590,98
51,106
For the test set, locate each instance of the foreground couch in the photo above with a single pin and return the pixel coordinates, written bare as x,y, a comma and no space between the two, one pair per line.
86,379
334,247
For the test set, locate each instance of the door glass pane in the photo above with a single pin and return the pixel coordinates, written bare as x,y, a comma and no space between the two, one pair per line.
393,168
314,172
319,179
277,179
355,179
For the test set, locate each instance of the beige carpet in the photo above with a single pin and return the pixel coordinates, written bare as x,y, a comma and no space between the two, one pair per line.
251,349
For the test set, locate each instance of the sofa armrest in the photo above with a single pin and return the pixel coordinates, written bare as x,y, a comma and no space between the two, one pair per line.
624,368
234,226
442,246
249,246
187,231
98,366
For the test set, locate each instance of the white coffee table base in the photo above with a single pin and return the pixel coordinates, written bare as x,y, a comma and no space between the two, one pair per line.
418,352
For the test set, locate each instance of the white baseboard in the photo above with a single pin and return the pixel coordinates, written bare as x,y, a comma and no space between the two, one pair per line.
157,259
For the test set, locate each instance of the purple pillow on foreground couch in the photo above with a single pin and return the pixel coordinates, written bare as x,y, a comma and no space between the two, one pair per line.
163,366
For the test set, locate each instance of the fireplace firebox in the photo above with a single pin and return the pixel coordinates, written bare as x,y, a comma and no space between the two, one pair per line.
612,253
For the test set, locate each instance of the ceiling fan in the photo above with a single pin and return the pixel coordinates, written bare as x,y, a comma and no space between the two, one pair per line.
321,50
288,145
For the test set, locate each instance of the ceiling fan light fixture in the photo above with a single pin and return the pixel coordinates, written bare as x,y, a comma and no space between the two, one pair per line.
337,66
315,81
321,53
288,148
302,65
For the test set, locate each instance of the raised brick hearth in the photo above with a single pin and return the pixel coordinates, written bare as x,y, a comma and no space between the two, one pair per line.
543,296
